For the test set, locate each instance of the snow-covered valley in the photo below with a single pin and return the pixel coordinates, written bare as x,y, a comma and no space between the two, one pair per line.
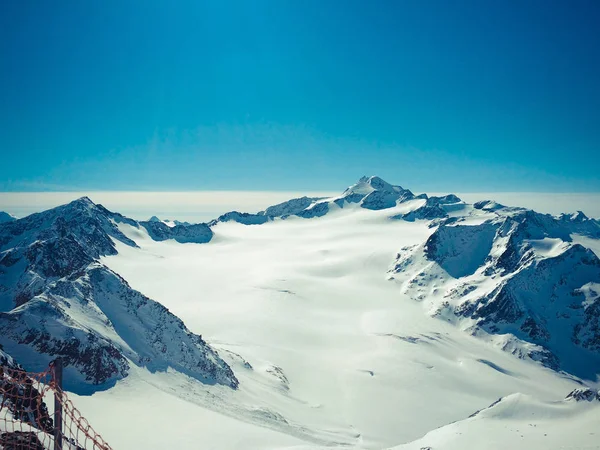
319,317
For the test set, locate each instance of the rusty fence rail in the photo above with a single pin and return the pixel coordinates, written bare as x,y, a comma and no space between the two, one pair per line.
26,423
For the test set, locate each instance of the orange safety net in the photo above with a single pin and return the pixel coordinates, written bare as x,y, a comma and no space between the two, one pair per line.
25,422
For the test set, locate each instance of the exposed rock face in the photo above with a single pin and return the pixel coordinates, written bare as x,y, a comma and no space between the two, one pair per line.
199,233
433,208
58,300
295,206
5,217
487,205
316,210
290,207
40,248
584,395
518,273
244,218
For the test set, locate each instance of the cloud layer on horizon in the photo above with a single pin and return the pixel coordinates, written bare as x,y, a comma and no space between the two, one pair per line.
202,206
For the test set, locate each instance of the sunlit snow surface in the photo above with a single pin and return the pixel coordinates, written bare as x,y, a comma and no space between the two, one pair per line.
327,350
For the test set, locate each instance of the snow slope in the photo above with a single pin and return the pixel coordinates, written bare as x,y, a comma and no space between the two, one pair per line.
322,312
330,352
520,422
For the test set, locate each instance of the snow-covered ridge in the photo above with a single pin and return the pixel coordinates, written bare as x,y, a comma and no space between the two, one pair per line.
57,299
513,272
288,208
519,421
369,193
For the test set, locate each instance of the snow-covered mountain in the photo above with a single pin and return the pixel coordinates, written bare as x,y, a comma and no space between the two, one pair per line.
369,193
282,210
516,277
57,299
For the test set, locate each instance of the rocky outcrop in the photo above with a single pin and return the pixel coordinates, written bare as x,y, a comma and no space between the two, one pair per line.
5,217
316,210
488,205
243,218
296,206
290,207
433,208
584,395
199,233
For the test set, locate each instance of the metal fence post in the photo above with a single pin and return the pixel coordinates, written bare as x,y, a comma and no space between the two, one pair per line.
58,423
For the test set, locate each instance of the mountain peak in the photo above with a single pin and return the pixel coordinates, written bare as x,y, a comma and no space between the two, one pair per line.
6,217
366,185
81,204
375,182
371,178
579,216
488,205
85,200
584,394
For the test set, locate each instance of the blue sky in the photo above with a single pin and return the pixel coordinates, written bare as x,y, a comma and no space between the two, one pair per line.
300,95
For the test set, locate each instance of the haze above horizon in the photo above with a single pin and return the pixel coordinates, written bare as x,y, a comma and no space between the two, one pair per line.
203,206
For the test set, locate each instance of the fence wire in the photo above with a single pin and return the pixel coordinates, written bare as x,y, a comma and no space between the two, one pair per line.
25,422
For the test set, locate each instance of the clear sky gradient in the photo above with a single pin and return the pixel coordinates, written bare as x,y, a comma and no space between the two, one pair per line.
300,95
